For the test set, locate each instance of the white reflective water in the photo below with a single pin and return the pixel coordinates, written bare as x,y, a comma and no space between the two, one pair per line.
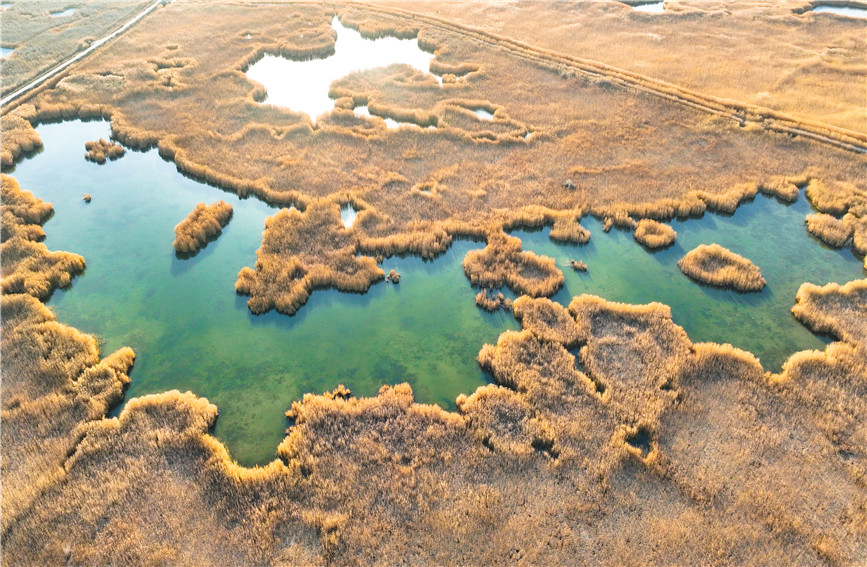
483,114
6,52
650,8
842,11
303,85
67,12
390,123
347,215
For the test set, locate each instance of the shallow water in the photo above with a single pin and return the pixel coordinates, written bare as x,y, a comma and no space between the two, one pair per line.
841,11
191,332
6,52
303,85
767,231
348,215
483,114
650,7
63,13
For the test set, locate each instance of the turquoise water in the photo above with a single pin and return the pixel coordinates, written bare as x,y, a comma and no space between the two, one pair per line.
851,12
768,232
191,332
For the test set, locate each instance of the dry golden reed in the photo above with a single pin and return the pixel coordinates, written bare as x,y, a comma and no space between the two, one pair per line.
502,263
653,234
828,229
100,150
713,264
491,302
202,225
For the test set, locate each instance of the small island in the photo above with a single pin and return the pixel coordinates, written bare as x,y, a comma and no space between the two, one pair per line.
100,150
713,264
653,234
204,223
830,230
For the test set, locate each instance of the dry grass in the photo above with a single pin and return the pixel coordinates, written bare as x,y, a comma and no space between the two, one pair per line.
468,176
502,263
204,224
830,230
301,252
26,265
42,41
639,445
490,303
713,264
688,453
100,150
654,234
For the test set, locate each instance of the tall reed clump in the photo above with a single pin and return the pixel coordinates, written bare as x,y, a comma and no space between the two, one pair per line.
653,234
302,252
715,265
830,230
202,225
100,150
502,263
26,265
837,309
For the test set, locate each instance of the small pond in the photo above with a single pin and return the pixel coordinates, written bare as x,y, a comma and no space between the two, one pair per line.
851,12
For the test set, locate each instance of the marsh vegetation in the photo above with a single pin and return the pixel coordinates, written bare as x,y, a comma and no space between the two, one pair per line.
578,417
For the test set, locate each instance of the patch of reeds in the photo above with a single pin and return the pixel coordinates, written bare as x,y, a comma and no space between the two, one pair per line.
713,264
653,234
840,310
204,224
830,230
503,263
302,252
100,150
492,302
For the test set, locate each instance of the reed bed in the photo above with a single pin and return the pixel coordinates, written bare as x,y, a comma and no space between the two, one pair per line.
204,224
502,263
653,234
597,409
100,150
26,265
352,473
492,302
840,310
713,264
828,229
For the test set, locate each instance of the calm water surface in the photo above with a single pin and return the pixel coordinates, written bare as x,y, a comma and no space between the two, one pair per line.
191,332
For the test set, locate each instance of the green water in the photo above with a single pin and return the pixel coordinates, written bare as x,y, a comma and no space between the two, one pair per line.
191,332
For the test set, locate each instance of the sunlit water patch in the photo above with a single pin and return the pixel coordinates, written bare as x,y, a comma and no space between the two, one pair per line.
849,11
303,85
348,215
768,232
62,13
191,332
483,114
6,52
650,7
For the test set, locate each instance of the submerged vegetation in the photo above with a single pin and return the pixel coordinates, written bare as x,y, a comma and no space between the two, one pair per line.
606,430
203,224
713,264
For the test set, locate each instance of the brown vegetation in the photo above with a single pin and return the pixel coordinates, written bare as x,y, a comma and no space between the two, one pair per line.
636,446
467,177
26,265
101,149
491,303
654,234
202,225
301,252
393,277
828,229
578,265
41,41
840,310
713,264
502,263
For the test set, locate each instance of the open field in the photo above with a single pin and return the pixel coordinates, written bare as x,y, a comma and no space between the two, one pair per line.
41,40
606,436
